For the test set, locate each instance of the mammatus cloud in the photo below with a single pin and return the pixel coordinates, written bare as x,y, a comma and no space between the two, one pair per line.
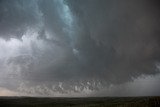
72,47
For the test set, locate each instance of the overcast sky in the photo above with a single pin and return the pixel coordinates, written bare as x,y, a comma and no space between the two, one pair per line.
79,48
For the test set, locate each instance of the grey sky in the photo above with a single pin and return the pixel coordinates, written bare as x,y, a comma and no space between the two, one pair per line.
74,47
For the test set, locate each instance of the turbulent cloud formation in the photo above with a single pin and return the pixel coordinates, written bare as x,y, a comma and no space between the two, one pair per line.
54,47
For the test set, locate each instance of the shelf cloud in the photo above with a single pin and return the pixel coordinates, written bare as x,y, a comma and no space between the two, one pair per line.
61,47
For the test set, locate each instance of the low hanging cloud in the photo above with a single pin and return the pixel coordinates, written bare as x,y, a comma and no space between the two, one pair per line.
74,46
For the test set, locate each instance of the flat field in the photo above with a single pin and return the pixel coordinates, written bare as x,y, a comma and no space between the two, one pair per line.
80,102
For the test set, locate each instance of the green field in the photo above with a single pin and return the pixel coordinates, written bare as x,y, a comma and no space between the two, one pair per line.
80,102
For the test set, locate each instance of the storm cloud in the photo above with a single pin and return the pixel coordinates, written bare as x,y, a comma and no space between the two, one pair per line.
53,47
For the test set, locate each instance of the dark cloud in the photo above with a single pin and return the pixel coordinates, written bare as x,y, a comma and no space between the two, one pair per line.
118,39
75,45
16,16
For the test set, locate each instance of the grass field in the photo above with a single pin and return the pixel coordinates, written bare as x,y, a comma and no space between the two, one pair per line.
80,102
